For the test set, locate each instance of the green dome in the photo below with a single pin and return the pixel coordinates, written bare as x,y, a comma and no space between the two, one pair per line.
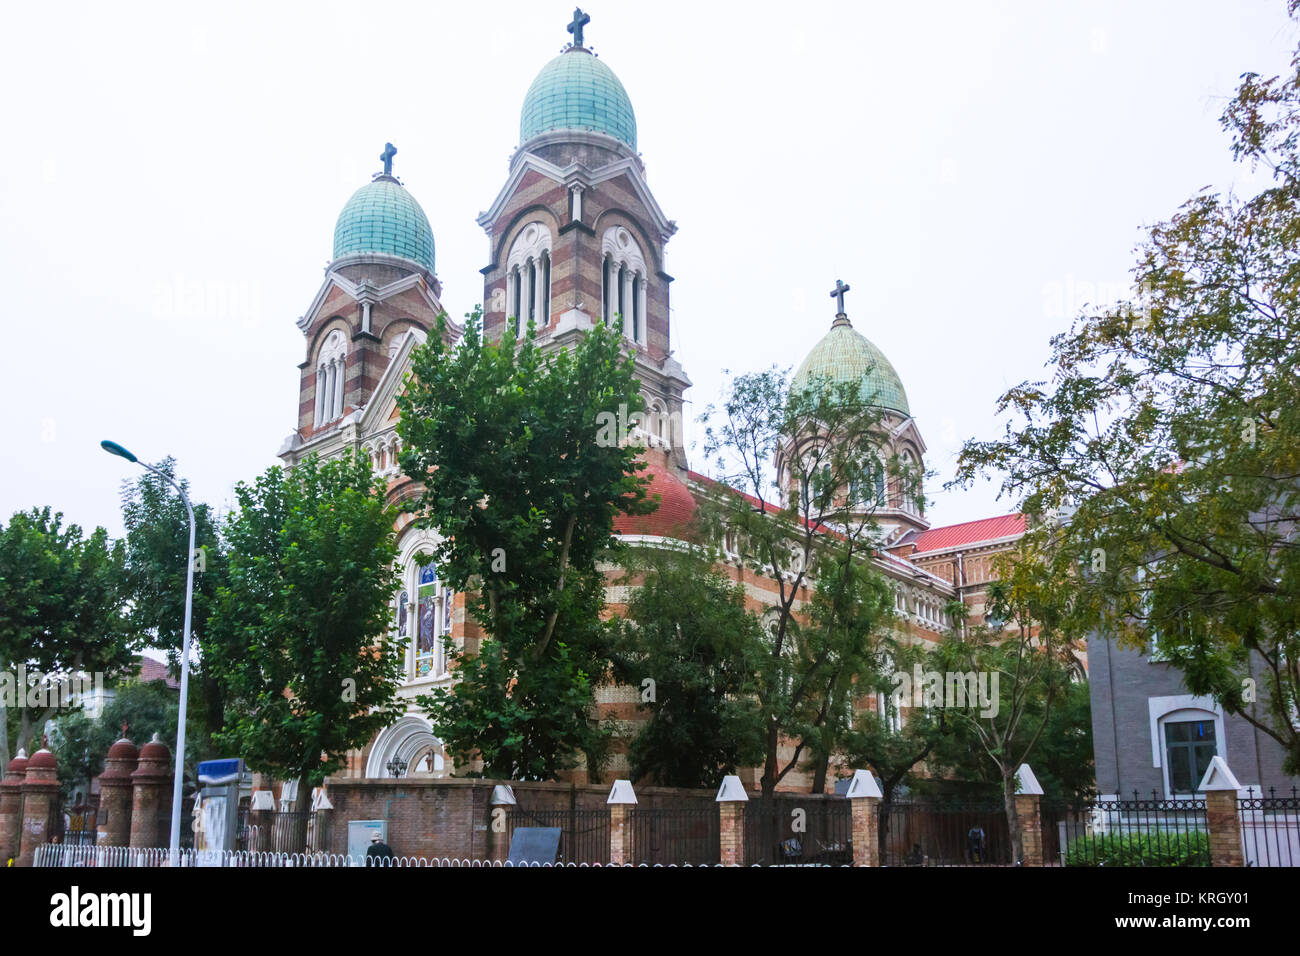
382,217
845,355
577,91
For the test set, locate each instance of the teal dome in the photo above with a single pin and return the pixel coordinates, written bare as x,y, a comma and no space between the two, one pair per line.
577,91
845,355
382,217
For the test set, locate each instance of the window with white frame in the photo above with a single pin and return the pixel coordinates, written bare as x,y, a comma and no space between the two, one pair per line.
331,371
624,279
528,277
1190,744
432,623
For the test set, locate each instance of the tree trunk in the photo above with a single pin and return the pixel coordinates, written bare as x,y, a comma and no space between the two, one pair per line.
1013,818
302,813
820,773
768,783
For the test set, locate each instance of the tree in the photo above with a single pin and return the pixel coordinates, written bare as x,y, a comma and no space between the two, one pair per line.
814,509
693,651
1028,642
522,476
157,543
60,612
1170,430
300,632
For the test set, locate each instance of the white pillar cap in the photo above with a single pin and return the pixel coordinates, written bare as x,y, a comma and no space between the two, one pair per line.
502,793
1026,783
1219,777
731,790
262,800
622,792
863,784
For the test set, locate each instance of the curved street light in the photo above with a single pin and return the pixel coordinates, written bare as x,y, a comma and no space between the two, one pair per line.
113,448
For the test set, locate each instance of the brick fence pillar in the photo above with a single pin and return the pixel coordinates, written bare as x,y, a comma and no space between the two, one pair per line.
864,805
148,791
1220,787
731,802
1029,793
11,808
115,795
622,798
40,791
498,842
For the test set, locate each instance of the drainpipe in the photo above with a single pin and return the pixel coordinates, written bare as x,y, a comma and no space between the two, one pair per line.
961,591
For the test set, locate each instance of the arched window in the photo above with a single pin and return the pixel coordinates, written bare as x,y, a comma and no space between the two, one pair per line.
624,280
331,368
528,271
433,623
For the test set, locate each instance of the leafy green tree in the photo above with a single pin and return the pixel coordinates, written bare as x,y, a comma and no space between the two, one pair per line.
522,477
813,511
300,634
1029,639
60,610
1170,431
157,542
692,650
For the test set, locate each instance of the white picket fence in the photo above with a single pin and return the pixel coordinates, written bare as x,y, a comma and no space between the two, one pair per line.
55,854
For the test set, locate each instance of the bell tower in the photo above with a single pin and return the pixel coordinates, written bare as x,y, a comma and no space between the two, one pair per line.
575,237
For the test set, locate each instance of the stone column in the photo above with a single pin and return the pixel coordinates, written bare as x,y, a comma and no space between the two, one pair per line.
1028,794
498,836
11,808
622,798
149,789
40,791
731,800
864,806
115,795
625,277
1220,787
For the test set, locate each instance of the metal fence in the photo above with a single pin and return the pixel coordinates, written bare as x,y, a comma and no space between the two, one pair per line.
943,832
584,834
282,831
787,831
688,835
1270,827
60,855
1137,832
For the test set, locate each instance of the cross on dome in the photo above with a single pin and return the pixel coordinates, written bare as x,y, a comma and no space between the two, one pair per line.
838,294
580,20
387,156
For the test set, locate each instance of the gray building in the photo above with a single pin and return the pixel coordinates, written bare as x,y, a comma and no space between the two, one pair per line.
1150,734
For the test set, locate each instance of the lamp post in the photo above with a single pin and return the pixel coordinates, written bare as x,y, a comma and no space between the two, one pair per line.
178,782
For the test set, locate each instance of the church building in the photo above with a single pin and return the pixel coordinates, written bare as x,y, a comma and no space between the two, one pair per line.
575,238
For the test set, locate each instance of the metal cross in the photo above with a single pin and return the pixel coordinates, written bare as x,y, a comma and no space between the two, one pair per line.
387,156
838,293
580,20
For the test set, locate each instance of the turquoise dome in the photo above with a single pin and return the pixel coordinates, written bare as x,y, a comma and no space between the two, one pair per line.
577,91
382,217
845,355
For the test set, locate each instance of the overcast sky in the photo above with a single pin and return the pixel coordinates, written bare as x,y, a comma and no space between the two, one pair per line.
170,175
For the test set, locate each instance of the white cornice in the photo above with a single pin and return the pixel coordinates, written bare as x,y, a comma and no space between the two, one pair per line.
366,290
374,415
576,173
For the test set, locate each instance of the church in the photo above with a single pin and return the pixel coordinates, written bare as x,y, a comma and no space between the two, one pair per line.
575,238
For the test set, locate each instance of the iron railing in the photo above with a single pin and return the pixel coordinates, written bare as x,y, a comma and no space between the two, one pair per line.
792,831
584,834
676,835
938,831
1137,832
1270,827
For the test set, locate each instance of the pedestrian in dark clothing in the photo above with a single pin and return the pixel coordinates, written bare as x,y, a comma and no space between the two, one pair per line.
378,853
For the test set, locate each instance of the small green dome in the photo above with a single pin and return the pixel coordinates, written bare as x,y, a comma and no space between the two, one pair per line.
577,91
383,217
845,355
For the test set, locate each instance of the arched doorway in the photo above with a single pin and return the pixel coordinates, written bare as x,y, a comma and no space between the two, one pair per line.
412,742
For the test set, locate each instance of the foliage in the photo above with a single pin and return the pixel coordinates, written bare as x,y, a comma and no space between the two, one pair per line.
692,649
300,632
519,480
60,609
1169,433
1156,848
811,519
157,552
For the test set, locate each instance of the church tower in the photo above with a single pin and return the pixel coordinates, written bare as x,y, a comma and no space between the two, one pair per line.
575,236
379,286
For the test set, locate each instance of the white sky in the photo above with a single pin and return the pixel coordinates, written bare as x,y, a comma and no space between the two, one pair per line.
977,171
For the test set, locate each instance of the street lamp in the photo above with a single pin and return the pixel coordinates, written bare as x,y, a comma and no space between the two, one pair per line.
396,767
113,448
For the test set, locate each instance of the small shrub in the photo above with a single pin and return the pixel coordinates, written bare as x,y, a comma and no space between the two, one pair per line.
1156,848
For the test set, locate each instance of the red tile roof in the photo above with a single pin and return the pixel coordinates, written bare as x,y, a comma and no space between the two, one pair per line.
969,533
676,505
151,670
